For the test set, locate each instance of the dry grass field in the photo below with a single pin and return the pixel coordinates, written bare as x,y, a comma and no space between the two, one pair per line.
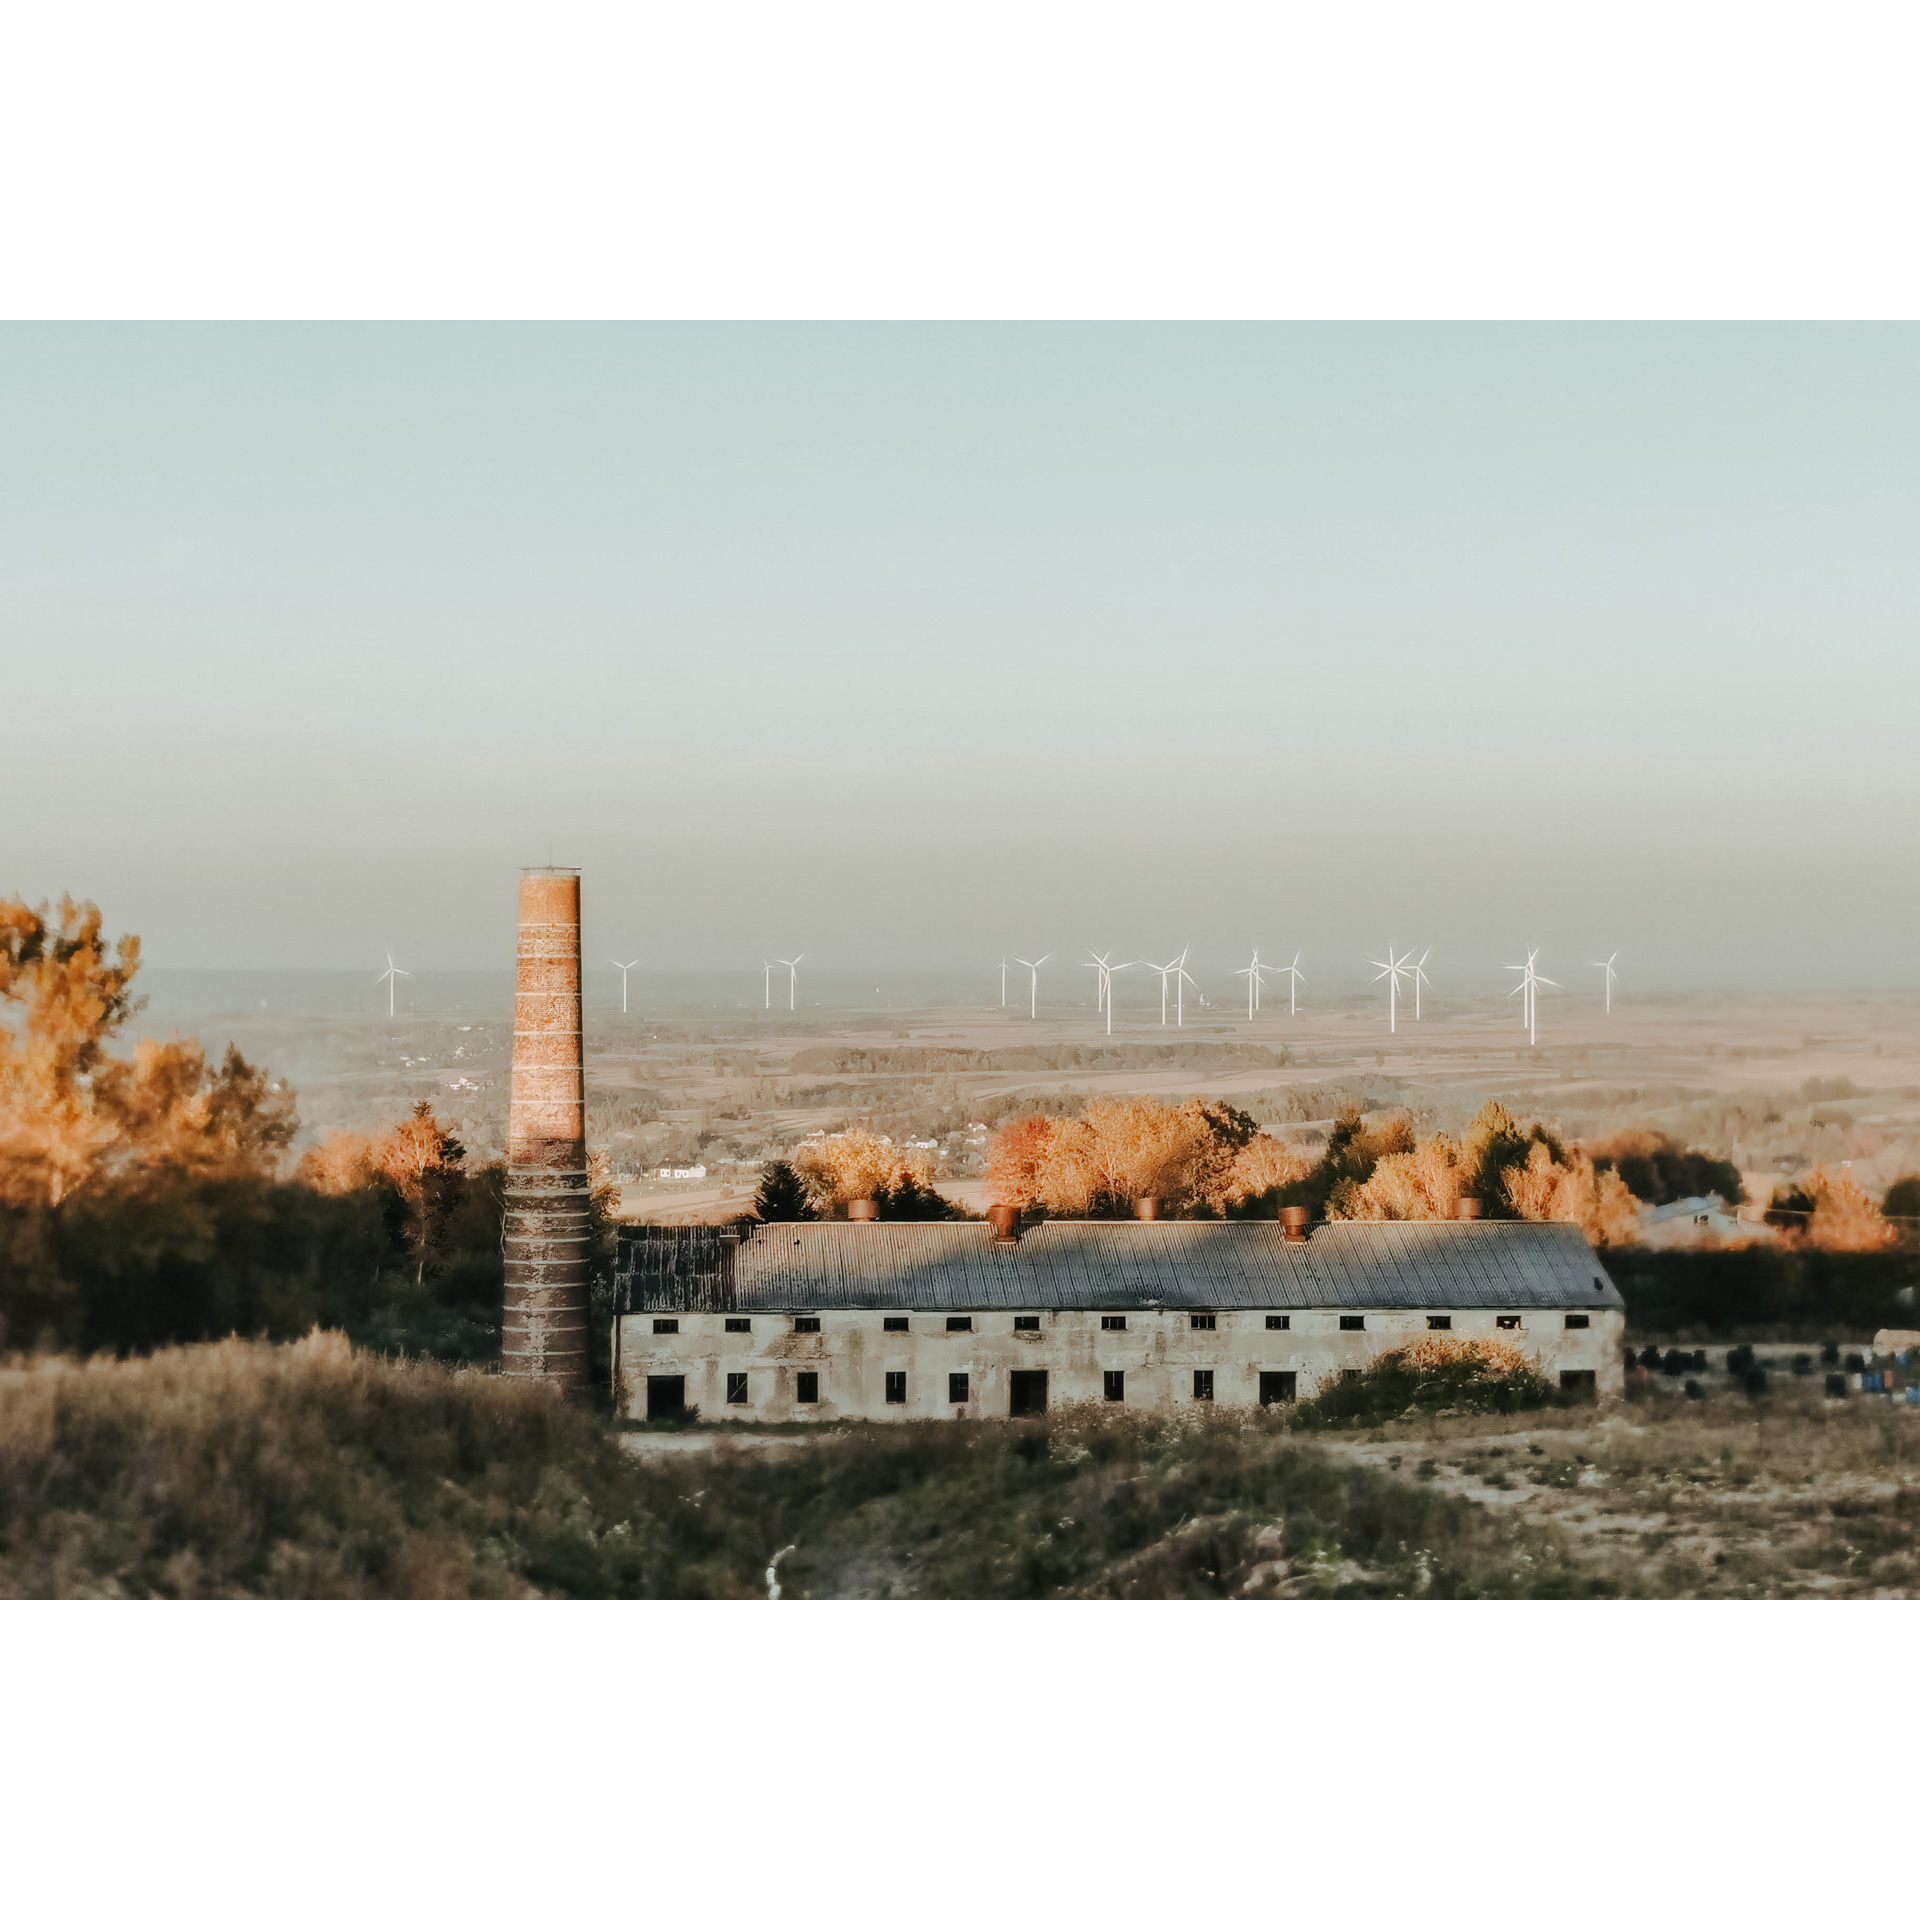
312,1469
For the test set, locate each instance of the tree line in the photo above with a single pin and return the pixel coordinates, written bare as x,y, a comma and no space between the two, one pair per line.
145,1197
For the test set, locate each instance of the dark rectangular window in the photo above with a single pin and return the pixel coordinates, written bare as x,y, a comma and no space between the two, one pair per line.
666,1326
1201,1322
739,1326
1439,1323
959,1323
1116,1386
1506,1322
1348,1375
1579,1380
1026,1323
894,1323
1113,1323
736,1389
896,1389
1279,1322
806,1323
1202,1383
1275,1387
1353,1323
806,1389
1575,1321
957,1388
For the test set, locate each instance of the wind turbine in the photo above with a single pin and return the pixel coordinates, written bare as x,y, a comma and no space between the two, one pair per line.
1033,1012
392,974
1166,974
1003,983
1608,964
1252,976
1107,970
1419,980
766,979
1295,981
1529,982
626,967
793,978
1393,971
1182,979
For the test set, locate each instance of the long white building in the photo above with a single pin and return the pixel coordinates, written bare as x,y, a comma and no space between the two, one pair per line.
868,1320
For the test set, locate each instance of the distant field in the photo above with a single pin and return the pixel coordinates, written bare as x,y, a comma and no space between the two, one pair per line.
1775,1084
314,1470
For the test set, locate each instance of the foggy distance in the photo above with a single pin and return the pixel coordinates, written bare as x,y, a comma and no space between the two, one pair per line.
911,647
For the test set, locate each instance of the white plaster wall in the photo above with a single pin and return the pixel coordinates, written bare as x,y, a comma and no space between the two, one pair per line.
1158,1352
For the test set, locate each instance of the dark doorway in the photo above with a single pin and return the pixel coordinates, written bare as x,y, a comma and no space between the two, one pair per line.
1275,1388
1029,1393
1579,1382
666,1395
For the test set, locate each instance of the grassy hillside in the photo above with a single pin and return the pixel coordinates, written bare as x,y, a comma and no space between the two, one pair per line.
315,1470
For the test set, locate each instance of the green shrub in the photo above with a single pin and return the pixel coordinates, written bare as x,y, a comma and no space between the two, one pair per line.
1432,1375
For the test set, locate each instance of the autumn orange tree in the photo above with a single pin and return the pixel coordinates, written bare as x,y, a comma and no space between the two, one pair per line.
417,1160
1830,1210
1199,1157
1513,1173
1206,1158
141,1201
856,1165
73,1112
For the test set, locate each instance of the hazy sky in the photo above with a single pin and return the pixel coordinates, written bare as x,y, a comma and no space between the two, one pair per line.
914,644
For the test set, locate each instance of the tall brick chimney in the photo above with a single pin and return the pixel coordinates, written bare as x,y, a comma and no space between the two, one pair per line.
544,1329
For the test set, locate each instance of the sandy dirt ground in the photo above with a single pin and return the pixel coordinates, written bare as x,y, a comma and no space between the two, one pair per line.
1805,1497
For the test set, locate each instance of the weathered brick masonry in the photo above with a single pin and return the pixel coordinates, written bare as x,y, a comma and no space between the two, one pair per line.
544,1333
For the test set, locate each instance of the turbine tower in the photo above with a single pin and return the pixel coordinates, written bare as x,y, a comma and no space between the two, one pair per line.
392,974
1033,966
1295,981
1253,977
1103,963
626,967
1003,983
1166,975
1393,971
1419,980
1529,982
766,980
1182,979
793,978
1607,963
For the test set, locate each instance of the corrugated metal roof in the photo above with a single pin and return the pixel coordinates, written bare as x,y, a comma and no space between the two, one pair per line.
830,1266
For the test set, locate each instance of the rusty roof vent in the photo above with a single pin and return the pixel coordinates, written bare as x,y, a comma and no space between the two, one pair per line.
863,1209
1146,1208
1466,1208
1006,1223
1295,1220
